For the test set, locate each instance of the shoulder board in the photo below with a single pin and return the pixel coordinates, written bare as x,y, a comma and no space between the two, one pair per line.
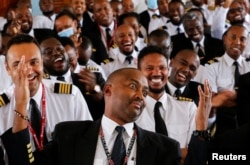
146,40
4,100
163,28
227,21
211,8
46,76
93,50
212,61
63,88
92,68
30,153
108,60
114,46
184,99
248,59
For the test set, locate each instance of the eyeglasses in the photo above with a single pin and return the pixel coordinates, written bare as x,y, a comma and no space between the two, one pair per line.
234,10
50,51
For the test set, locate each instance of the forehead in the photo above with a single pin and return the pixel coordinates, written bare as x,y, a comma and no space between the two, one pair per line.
235,4
51,42
124,29
133,76
188,56
239,31
100,4
154,58
74,1
22,10
28,50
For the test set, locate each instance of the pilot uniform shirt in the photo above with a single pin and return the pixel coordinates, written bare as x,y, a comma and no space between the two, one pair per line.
179,117
43,22
172,29
3,21
119,61
172,88
5,79
221,74
140,43
207,13
59,107
157,23
67,77
108,127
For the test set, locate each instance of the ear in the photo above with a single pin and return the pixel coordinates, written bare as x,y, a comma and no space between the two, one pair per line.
7,68
171,62
107,89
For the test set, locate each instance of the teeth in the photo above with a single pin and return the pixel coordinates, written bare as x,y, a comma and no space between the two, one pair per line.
156,80
25,23
31,77
182,75
58,59
238,17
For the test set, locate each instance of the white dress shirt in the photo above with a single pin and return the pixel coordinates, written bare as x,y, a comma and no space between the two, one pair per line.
221,74
108,127
5,79
59,107
119,62
179,117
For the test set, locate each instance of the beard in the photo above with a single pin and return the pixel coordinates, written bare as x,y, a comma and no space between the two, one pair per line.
156,91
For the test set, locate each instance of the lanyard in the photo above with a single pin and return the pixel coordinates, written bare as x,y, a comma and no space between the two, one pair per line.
132,141
108,45
41,139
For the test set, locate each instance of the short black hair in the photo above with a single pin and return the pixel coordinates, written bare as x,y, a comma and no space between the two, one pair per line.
190,16
122,17
86,43
149,50
67,41
158,33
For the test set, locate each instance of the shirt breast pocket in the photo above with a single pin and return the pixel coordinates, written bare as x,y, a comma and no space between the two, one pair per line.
179,133
224,83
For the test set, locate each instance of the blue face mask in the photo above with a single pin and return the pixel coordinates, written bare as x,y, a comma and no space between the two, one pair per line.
152,4
66,32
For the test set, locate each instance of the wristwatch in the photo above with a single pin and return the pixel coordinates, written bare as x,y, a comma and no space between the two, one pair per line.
203,134
97,88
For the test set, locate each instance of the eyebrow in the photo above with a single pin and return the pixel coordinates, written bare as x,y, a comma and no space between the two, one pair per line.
137,82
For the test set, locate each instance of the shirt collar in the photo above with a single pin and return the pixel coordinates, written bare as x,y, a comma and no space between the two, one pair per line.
201,42
151,13
172,88
122,57
111,27
230,61
67,76
151,102
109,126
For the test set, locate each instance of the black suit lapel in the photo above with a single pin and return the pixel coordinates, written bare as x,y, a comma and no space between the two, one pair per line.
86,145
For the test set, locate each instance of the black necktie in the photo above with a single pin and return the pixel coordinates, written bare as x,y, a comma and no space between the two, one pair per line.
119,149
129,59
60,78
108,36
35,117
236,73
160,126
200,51
177,93
178,30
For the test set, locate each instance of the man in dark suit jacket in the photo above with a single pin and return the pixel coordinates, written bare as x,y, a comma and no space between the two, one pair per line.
184,67
194,34
78,142
97,33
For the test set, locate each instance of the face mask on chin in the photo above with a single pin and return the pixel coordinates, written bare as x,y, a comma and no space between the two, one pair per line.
66,32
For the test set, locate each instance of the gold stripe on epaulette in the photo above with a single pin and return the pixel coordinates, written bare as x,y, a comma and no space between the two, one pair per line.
28,145
92,68
63,88
184,99
4,100
29,150
32,159
30,155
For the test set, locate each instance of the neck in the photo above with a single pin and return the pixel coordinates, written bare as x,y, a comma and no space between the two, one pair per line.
155,95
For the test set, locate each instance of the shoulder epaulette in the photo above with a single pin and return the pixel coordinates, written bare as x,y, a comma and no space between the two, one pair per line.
184,99
46,76
63,88
108,60
211,8
114,46
30,153
92,68
227,21
4,100
163,28
212,61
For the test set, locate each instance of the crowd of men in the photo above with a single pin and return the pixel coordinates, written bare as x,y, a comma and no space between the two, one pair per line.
99,83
